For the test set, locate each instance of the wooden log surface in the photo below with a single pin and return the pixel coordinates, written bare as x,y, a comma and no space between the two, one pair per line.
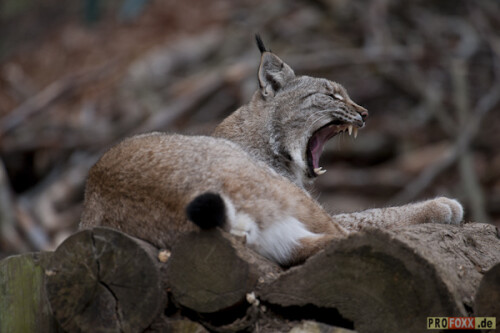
102,280
390,281
487,300
211,271
23,302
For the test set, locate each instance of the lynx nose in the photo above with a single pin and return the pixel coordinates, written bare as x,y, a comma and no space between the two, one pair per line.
359,120
362,111
364,114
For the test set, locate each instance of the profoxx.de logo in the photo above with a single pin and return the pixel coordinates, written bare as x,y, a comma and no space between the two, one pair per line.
462,323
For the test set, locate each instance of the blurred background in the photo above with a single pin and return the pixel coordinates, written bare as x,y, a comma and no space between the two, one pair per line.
78,76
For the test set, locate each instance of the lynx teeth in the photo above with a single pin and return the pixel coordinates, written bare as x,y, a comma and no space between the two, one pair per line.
319,171
350,129
355,132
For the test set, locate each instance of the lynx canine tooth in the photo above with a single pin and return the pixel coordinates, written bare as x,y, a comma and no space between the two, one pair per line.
319,171
350,129
355,132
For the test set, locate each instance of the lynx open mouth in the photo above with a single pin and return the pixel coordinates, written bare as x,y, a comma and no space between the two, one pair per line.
319,139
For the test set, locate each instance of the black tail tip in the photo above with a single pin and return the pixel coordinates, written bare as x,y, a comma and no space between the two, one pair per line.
207,211
260,44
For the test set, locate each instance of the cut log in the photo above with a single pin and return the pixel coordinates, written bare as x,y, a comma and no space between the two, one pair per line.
309,326
380,280
23,303
178,325
390,281
210,271
102,280
487,301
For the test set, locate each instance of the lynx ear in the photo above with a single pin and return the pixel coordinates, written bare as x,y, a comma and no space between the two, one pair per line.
274,74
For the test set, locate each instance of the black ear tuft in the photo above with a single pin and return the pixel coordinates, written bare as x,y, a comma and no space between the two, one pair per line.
207,211
260,44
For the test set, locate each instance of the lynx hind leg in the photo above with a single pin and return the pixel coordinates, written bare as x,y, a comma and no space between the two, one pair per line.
445,210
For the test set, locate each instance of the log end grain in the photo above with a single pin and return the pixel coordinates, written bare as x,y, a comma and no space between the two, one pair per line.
372,279
104,280
206,273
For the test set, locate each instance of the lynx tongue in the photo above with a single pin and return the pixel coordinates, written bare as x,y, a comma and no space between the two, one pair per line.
315,147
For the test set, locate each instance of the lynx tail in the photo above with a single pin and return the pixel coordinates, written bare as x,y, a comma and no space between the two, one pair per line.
207,211
260,44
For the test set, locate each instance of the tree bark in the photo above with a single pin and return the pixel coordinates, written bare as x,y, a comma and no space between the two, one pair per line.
487,300
391,280
23,302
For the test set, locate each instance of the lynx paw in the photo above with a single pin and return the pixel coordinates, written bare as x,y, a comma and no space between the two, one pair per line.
447,211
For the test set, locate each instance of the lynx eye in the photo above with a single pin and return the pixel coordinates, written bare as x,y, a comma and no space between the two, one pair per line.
338,96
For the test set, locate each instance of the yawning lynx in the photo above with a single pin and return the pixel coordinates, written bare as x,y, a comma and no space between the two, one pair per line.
290,118
248,178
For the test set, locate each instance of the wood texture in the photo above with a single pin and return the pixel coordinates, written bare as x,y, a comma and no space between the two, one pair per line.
102,280
209,272
23,303
390,281
487,301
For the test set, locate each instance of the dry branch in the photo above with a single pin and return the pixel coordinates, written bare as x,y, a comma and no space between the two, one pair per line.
470,183
487,103
323,60
201,89
166,117
9,237
51,94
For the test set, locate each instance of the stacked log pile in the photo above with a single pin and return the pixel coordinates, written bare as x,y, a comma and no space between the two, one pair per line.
102,280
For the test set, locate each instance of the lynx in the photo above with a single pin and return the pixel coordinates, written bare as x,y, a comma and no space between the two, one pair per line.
249,178
290,118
